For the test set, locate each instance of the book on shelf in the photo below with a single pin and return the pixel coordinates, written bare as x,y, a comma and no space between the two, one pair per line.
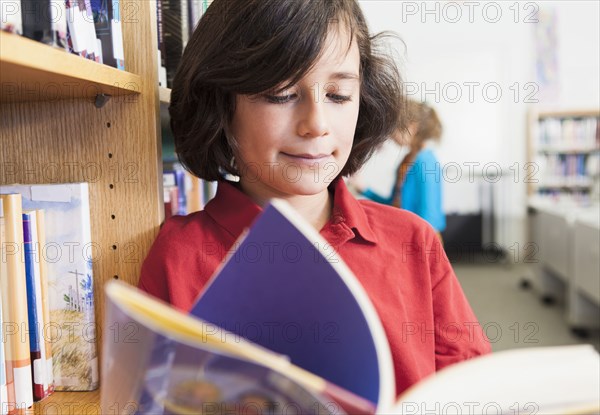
31,250
58,15
566,150
117,30
37,20
11,19
3,388
175,34
78,35
47,344
176,21
14,304
251,344
170,194
68,251
107,23
183,192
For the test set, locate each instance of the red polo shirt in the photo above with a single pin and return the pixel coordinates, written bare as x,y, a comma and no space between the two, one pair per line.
394,254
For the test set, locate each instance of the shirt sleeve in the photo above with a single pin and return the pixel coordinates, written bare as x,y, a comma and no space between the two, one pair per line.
458,334
153,276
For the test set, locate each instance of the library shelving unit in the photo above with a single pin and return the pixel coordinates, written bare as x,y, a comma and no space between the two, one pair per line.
67,119
563,211
561,145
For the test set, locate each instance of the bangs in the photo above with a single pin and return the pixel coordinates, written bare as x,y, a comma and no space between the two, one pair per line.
275,42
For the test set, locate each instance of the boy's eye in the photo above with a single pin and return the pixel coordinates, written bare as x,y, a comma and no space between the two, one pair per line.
283,99
279,99
339,99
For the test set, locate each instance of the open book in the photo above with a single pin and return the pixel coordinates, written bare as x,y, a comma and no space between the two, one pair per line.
284,327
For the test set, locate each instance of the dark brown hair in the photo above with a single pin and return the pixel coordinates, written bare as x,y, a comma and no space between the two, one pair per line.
251,46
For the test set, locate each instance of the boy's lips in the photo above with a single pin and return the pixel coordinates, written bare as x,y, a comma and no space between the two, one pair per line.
308,159
308,156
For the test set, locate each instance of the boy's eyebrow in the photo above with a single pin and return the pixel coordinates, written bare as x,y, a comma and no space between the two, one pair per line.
344,75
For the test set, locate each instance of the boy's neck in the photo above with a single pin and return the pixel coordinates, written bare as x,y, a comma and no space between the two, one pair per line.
315,209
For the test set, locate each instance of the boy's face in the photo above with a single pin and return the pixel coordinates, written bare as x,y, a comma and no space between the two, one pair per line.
296,142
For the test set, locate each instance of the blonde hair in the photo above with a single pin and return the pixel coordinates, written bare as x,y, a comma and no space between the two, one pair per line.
426,120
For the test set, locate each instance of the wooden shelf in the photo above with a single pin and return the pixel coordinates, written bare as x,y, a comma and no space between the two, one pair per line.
67,403
164,95
32,71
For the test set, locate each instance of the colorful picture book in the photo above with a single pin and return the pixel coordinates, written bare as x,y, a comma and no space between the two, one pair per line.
67,252
249,344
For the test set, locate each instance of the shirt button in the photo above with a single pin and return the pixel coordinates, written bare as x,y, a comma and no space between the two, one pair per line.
337,219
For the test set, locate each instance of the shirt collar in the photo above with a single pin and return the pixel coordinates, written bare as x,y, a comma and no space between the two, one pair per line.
349,212
235,211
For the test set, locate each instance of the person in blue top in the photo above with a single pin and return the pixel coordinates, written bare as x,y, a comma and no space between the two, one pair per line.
418,185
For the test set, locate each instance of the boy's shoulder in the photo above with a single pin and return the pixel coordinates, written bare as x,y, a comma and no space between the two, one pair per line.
386,218
186,230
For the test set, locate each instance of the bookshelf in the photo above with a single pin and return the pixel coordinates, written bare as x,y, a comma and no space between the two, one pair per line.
564,149
32,71
63,136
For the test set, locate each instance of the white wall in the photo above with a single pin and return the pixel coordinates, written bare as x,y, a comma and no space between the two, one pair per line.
445,51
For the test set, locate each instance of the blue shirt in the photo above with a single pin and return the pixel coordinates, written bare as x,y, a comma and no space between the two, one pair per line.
421,191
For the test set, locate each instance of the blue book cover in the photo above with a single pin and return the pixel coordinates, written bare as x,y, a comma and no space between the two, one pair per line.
34,305
286,290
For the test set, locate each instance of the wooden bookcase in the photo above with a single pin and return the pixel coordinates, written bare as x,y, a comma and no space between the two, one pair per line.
54,129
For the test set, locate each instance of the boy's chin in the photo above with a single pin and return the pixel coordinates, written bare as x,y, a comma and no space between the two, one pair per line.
306,187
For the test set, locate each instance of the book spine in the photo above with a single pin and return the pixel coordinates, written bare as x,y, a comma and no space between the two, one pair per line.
14,303
37,20
12,20
195,14
41,233
102,11
34,306
90,30
181,192
59,23
117,34
8,389
193,194
172,36
3,386
76,28
185,23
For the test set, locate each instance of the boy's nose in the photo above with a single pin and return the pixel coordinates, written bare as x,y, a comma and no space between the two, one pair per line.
313,119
